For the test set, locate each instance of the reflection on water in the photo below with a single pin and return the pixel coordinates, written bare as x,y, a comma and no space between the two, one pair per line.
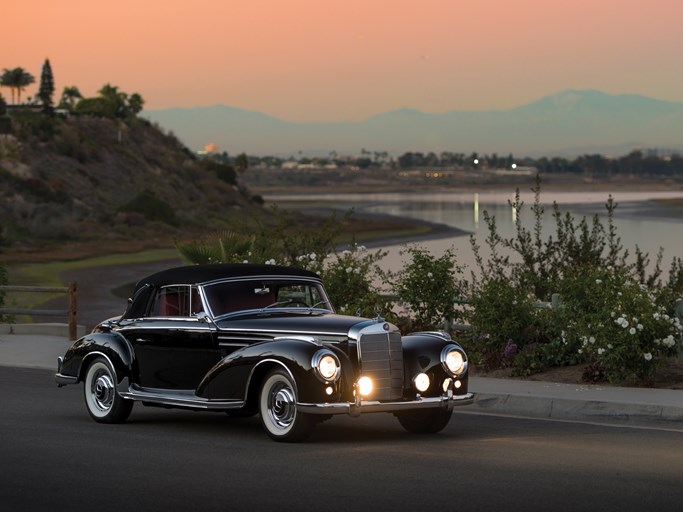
466,212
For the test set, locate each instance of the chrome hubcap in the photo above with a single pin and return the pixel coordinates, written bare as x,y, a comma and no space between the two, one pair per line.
281,406
103,391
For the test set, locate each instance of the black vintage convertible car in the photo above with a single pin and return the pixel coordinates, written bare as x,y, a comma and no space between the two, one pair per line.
261,339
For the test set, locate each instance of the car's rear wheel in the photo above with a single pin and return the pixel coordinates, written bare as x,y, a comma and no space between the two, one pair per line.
429,421
277,407
103,402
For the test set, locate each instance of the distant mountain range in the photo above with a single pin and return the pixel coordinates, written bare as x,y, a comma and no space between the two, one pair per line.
566,124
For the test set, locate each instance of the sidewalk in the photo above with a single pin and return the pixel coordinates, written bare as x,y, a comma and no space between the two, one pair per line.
657,408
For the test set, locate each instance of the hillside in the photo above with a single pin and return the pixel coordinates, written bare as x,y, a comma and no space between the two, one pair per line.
105,181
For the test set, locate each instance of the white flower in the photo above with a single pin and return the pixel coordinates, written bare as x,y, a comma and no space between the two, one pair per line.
580,351
612,314
598,281
430,275
632,330
591,340
346,252
655,316
648,356
640,327
619,294
312,256
609,345
271,262
601,351
349,270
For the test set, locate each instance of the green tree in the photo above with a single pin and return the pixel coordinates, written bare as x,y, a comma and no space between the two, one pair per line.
70,95
135,103
17,79
47,87
241,162
111,103
116,99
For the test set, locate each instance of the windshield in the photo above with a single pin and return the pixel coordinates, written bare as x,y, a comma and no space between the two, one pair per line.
270,294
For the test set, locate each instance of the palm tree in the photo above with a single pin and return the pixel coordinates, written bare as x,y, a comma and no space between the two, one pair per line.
69,97
16,79
135,103
6,80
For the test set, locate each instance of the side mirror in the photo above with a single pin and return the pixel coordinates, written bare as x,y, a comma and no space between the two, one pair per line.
204,317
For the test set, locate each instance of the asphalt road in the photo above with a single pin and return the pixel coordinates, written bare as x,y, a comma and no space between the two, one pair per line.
54,457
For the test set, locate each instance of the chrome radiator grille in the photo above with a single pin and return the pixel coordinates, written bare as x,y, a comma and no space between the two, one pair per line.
381,359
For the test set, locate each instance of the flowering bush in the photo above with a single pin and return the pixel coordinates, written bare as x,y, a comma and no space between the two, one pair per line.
349,279
620,327
428,287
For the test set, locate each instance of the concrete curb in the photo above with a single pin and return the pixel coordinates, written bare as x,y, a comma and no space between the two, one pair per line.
591,411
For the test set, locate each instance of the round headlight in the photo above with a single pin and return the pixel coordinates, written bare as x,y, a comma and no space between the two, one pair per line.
327,365
365,386
453,360
421,382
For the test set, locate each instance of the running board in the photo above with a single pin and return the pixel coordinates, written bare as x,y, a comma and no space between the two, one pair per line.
185,399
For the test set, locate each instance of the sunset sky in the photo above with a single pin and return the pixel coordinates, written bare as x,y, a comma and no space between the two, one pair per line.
330,60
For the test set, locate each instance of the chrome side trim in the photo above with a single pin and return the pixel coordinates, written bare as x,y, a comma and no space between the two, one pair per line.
352,409
179,399
298,337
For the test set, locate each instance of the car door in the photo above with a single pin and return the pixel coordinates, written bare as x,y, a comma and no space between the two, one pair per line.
173,349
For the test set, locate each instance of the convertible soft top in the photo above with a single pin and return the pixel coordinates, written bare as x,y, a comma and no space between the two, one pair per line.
195,274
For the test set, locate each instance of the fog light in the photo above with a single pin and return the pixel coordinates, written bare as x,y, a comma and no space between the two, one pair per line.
421,382
446,385
458,384
365,386
329,390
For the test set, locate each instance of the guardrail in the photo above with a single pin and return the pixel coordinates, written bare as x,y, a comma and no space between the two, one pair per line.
69,313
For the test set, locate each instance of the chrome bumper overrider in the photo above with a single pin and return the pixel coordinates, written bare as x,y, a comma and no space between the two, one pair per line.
367,406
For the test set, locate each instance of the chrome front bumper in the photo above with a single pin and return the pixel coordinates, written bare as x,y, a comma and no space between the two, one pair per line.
367,406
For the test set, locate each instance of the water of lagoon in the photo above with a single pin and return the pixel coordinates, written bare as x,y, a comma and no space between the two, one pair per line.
465,211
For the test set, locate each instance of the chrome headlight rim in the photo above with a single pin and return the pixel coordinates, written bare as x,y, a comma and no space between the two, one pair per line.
444,360
318,361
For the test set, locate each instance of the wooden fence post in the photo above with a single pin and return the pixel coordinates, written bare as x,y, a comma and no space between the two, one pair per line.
73,326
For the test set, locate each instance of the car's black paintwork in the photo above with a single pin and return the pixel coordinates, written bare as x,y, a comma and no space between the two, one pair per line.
221,362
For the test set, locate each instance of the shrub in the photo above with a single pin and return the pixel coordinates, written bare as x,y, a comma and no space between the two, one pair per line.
349,278
3,282
152,207
617,323
429,287
501,315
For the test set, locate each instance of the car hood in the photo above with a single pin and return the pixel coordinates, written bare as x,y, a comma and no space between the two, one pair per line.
284,323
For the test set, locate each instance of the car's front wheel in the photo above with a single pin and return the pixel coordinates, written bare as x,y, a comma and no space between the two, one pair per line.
277,407
103,402
429,421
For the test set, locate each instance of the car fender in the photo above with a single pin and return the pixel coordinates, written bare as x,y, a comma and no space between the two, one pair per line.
422,354
110,345
239,375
